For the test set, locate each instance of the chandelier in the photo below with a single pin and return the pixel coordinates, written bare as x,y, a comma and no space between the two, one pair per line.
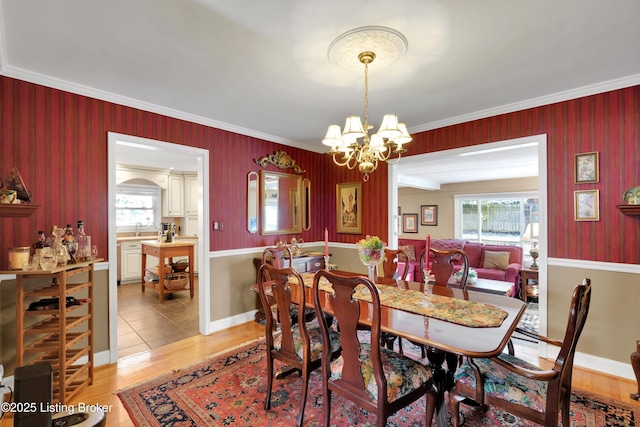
353,146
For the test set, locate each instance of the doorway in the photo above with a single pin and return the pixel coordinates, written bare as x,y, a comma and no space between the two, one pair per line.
541,141
200,158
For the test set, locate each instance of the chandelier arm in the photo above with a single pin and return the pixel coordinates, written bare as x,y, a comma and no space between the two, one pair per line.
349,161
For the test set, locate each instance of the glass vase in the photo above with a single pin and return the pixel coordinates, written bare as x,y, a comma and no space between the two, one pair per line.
371,258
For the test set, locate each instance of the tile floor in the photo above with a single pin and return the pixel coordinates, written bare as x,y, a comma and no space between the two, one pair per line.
144,323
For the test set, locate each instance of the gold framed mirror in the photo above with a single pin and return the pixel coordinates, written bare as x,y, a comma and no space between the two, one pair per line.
280,203
252,202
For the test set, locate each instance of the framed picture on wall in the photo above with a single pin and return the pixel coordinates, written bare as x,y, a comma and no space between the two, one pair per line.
587,205
586,167
429,215
348,207
409,223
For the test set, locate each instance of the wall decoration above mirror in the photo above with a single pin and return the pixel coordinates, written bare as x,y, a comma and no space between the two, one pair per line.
280,202
280,159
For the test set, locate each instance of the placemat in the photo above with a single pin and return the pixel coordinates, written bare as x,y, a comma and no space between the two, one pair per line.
462,312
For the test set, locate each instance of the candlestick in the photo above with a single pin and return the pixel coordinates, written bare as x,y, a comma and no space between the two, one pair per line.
426,255
326,242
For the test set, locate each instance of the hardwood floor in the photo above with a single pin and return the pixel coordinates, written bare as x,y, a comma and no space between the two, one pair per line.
143,366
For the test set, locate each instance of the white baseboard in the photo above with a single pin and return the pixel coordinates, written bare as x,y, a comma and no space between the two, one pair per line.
227,322
594,363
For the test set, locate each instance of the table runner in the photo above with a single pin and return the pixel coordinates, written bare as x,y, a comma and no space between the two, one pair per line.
454,310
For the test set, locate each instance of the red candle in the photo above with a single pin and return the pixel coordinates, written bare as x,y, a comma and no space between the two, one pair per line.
326,242
426,257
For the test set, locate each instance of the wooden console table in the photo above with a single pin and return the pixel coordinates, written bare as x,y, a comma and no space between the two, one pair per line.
528,289
61,331
162,251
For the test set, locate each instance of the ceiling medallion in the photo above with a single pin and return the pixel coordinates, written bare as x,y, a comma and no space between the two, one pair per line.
388,44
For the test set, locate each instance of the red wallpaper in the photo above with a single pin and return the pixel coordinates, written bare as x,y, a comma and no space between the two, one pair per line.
58,141
608,123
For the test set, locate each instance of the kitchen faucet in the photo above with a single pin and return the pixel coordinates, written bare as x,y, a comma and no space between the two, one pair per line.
138,231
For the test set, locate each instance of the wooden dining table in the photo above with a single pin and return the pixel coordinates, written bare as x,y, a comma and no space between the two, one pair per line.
440,336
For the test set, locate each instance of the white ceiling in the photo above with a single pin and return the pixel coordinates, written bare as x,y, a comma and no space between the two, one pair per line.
260,68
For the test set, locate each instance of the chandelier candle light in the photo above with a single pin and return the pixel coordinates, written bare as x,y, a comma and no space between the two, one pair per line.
387,145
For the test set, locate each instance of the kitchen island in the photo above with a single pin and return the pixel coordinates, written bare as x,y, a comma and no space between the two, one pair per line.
166,251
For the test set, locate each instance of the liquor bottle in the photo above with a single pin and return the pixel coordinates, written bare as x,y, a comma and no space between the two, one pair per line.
69,240
40,244
62,254
84,247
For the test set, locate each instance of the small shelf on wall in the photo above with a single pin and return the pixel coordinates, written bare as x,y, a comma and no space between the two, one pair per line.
629,209
23,210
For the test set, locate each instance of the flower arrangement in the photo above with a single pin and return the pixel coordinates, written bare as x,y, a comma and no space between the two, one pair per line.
370,249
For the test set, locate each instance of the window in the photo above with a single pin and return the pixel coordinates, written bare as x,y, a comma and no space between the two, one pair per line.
137,205
498,219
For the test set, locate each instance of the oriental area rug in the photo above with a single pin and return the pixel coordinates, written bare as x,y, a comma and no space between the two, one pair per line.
229,390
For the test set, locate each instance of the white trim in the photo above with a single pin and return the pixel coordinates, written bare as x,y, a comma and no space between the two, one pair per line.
595,265
102,95
566,95
204,291
595,363
228,322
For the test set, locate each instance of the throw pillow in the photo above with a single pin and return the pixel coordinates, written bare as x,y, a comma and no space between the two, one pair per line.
447,244
410,251
496,260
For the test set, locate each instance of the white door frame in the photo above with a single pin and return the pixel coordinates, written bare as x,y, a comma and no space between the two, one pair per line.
542,203
202,156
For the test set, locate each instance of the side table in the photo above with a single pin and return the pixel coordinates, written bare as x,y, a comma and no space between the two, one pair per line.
528,283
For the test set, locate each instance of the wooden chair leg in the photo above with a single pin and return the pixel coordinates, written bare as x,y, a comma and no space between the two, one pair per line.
267,402
432,397
454,407
635,362
566,420
305,388
327,407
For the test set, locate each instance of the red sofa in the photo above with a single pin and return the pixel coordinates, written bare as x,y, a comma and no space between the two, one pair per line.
487,260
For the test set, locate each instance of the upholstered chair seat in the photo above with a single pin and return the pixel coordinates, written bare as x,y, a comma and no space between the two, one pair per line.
505,384
403,374
315,341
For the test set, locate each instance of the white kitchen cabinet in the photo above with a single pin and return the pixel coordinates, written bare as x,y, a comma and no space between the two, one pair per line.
190,226
191,195
131,262
173,197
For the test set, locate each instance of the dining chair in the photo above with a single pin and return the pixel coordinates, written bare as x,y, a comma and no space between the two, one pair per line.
519,387
371,376
442,265
277,256
297,344
390,264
